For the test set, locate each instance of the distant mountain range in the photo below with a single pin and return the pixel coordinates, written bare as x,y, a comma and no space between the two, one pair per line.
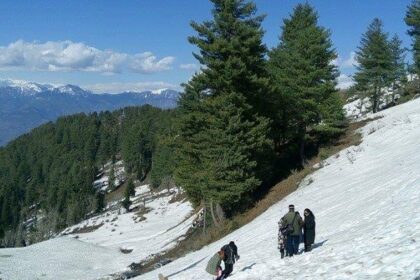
26,105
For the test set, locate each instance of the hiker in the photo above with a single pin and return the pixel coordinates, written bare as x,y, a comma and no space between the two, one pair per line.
293,228
231,256
213,266
308,229
281,239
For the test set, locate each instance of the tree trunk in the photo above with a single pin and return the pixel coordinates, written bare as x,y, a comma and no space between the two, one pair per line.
302,134
393,92
213,216
204,218
375,100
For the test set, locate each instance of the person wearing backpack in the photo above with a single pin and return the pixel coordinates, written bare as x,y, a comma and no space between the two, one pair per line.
213,266
293,228
231,256
308,229
281,238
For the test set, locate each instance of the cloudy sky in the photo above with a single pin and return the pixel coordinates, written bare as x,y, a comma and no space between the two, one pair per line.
113,46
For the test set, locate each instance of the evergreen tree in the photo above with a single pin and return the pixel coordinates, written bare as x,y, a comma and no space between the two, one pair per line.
232,51
374,59
398,73
131,188
52,168
111,178
412,19
100,201
304,79
222,136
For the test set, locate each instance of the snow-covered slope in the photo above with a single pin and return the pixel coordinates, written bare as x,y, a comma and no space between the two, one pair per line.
146,231
95,248
366,201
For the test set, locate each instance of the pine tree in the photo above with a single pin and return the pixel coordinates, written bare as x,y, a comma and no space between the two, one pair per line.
222,136
126,202
412,19
131,188
111,178
304,78
398,73
232,51
129,192
100,201
374,59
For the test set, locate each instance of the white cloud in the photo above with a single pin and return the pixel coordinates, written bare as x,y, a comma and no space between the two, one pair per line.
349,62
190,66
71,56
344,81
118,87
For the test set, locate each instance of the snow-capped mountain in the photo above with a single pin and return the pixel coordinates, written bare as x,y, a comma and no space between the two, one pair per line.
25,105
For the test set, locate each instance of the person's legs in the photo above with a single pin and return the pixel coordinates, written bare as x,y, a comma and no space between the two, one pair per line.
308,247
289,246
219,273
282,251
228,270
295,244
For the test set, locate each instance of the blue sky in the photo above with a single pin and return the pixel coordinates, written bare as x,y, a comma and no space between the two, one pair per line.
114,46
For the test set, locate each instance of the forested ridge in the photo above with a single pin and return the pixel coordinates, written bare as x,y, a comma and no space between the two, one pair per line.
52,168
249,117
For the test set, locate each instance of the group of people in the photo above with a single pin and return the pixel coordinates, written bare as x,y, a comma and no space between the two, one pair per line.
290,235
229,255
290,231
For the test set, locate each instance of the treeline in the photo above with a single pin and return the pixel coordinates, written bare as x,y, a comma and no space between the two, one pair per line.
244,118
51,170
383,74
252,113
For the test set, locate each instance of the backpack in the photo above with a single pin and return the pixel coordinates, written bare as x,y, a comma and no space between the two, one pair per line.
288,229
229,258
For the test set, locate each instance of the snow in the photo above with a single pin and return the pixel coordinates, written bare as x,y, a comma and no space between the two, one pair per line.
145,237
32,88
98,253
159,91
22,85
59,258
102,183
365,200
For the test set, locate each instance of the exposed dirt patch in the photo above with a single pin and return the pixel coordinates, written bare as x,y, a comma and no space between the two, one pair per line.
85,229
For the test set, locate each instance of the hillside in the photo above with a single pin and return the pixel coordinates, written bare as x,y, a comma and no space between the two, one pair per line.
365,200
26,105
106,243
50,172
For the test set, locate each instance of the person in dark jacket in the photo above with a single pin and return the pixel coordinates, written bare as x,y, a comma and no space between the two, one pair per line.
308,229
293,222
231,256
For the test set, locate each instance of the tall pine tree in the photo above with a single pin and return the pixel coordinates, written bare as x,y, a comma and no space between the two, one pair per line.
398,73
304,78
374,59
222,137
412,19
232,51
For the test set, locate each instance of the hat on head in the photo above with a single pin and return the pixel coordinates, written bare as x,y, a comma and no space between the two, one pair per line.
291,206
